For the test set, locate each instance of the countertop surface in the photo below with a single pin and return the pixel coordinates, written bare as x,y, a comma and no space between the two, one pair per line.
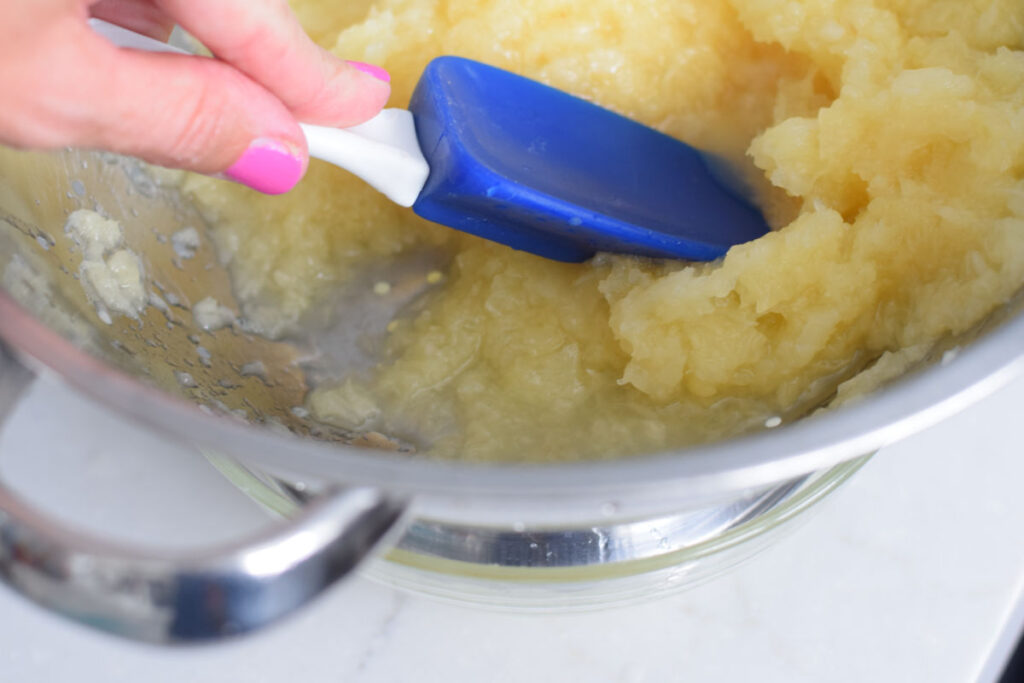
914,571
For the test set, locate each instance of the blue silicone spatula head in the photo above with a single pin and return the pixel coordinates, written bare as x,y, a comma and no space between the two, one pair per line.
521,163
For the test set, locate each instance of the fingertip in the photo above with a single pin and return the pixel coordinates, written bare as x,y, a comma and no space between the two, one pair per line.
364,88
269,166
350,93
374,83
380,73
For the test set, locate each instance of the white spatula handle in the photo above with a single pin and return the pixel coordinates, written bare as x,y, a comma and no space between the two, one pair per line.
383,151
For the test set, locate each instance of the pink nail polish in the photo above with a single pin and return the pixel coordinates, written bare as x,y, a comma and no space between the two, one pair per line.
268,166
372,69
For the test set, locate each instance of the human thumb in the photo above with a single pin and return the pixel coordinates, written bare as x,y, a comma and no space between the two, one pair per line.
175,110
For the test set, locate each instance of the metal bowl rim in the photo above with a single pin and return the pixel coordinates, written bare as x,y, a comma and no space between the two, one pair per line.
807,445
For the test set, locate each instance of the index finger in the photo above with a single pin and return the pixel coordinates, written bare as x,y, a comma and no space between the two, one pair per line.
264,40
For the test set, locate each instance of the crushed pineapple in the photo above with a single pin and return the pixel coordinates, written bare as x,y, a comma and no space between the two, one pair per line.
885,140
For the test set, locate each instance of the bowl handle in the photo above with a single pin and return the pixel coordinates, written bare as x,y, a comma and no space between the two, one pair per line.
177,597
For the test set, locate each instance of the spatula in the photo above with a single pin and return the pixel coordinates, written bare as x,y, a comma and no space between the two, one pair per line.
515,161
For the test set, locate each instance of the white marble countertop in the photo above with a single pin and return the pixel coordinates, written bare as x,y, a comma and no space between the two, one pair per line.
912,572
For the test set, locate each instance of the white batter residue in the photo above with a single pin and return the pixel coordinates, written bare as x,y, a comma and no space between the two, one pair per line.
210,315
111,275
186,242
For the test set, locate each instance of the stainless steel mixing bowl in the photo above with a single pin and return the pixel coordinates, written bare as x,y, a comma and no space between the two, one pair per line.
456,524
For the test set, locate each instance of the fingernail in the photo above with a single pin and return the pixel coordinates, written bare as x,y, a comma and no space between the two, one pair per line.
372,69
268,166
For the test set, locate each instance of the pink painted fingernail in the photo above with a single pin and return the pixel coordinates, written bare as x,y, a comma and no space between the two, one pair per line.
268,166
372,69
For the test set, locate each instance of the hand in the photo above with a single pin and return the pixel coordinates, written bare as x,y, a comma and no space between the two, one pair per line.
238,114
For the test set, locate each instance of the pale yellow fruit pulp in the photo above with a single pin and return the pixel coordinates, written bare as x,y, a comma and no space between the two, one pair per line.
886,142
